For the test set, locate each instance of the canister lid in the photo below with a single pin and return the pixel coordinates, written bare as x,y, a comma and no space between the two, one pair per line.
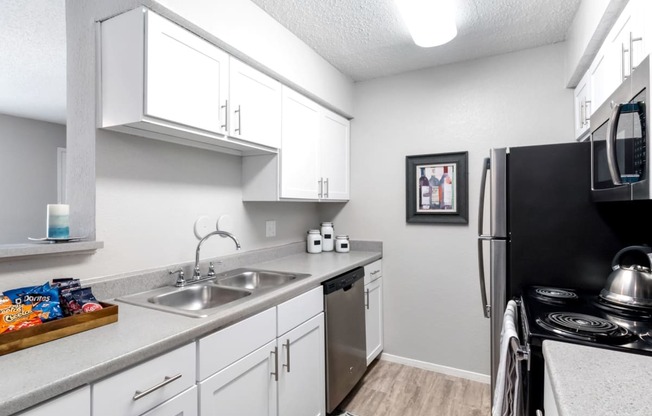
314,232
342,237
326,224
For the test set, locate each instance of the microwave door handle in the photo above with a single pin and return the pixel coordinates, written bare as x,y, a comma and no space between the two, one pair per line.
612,132
486,165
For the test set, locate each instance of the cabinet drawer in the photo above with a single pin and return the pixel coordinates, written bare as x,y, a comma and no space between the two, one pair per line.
76,403
228,345
298,310
373,271
184,404
117,395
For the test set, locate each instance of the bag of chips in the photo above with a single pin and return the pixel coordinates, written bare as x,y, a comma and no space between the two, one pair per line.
85,299
69,306
43,299
15,317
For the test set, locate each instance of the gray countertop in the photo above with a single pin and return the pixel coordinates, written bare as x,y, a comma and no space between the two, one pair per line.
588,381
36,374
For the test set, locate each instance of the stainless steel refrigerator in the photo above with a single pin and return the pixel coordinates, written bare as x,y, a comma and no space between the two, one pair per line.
541,227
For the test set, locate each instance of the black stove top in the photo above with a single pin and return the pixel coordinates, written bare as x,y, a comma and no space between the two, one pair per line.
572,316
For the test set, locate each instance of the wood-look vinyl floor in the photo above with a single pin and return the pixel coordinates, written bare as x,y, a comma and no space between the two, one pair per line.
390,389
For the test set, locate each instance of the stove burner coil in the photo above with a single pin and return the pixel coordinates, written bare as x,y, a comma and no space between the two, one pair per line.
584,327
550,292
580,322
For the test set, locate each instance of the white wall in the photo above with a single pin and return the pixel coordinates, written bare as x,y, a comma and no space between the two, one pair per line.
432,298
28,175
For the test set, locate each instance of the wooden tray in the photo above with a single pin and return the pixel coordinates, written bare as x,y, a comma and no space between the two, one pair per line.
49,331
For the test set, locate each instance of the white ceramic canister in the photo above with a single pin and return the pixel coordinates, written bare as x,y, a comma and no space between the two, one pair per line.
328,239
313,242
342,244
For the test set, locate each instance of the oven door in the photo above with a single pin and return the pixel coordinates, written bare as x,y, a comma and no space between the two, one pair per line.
619,162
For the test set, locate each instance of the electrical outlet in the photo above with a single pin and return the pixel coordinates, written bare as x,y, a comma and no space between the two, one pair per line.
270,228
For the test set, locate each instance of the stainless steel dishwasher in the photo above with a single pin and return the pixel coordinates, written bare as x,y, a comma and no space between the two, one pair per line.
346,343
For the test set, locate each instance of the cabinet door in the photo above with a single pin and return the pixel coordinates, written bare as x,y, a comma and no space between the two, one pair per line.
604,74
299,152
641,28
184,404
186,77
76,403
255,108
245,388
301,384
583,107
334,156
374,318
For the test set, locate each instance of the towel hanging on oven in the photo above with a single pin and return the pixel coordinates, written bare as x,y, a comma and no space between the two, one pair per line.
507,393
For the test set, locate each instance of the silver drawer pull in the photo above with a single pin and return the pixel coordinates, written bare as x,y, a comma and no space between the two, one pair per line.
287,355
375,272
165,382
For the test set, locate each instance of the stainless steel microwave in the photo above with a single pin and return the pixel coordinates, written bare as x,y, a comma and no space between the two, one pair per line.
620,165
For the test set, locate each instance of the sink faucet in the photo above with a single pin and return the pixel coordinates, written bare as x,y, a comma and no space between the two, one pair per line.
197,274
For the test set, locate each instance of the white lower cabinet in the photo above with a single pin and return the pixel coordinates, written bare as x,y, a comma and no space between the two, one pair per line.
301,381
141,388
246,387
373,290
76,403
285,376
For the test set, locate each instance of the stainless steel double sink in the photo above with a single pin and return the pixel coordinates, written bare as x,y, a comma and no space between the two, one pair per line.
209,296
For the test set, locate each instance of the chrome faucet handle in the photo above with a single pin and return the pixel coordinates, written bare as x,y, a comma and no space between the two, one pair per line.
181,281
211,270
197,273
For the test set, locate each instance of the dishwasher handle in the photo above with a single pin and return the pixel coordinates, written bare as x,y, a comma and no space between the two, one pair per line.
344,281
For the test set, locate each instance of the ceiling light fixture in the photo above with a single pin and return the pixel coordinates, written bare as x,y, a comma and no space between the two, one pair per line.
431,22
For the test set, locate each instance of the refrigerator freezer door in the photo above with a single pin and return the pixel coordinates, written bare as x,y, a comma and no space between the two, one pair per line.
498,184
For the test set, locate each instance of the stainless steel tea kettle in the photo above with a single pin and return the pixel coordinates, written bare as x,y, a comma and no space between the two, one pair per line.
630,285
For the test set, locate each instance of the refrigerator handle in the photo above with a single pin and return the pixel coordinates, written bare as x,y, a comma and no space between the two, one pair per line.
486,309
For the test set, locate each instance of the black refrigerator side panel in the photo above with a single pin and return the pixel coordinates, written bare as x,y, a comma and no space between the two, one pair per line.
557,235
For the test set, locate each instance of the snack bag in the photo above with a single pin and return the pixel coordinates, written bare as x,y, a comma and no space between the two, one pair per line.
85,299
14,317
43,299
65,286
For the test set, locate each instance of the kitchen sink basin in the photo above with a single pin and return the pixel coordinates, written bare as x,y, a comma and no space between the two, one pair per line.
210,295
256,279
199,297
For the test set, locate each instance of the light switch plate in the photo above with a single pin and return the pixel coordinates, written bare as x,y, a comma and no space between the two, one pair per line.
270,228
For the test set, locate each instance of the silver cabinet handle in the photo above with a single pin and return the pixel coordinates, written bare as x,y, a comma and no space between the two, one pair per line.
632,39
622,60
375,272
275,372
587,111
239,129
287,354
140,394
321,187
582,117
483,290
326,193
367,304
225,126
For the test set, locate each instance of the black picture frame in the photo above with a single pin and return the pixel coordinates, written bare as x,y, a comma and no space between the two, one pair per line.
451,191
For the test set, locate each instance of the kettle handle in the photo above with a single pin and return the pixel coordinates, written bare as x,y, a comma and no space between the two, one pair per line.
615,263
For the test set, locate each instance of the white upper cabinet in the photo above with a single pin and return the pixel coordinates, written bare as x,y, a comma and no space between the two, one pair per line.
334,156
187,77
313,163
300,161
583,107
159,80
255,106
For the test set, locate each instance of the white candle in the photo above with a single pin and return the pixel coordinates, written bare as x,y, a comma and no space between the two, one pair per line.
58,222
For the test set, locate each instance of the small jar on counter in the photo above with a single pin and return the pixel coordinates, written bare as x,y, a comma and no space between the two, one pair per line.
342,244
313,242
328,239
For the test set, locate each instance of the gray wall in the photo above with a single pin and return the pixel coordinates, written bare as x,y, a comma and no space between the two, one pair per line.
28,175
432,301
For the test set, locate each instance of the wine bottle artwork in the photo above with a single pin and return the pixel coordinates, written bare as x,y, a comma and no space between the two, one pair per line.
424,190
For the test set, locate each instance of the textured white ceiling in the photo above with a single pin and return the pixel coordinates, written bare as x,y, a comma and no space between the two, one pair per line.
366,39
33,59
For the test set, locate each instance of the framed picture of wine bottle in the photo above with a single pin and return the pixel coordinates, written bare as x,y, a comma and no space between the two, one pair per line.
437,188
